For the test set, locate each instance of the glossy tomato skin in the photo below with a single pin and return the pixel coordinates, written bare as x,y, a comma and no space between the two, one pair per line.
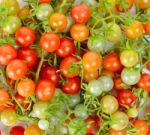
117,132
50,73
147,27
144,82
16,69
45,90
4,97
143,4
7,54
135,30
65,66
25,36
50,42
17,130
66,48
71,86
141,126
126,97
28,55
79,32
112,62
80,13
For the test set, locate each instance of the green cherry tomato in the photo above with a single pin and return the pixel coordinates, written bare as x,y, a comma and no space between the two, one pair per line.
11,5
119,120
130,76
43,11
9,117
43,124
129,58
107,82
115,32
96,44
39,109
74,100
132,112
109,104
11,24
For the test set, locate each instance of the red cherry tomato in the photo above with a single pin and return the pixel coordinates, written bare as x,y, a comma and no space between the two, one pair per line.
148,132
147,27
80,13
71,86
144,82
7,54
16,69
50,42
126,97
66,48
17,130
50,73
65,67
28,55
25,36
45,1
112,62
45,90
118,84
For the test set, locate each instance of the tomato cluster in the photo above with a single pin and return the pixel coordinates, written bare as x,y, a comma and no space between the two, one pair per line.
75,67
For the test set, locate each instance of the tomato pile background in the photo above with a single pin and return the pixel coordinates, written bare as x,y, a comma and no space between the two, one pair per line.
75,67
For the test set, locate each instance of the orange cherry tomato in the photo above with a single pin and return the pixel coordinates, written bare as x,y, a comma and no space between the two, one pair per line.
117,132
24,12
143,4
147,27
4,97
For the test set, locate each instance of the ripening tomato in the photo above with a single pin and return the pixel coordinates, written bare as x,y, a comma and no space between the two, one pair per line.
141,126
126,97
26,87
117,132
45,1
71,86
45,90
66,67
25,36
24,12
50,73
147,27
80,13
107,73
148,132
66,48
58,21
112,62
91,61
144,82
79,32
143,4
7,54
17,130
119,84
33,130
125,5
50,42
4,97
134,30
16,69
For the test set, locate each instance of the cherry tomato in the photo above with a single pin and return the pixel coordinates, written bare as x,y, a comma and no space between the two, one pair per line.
80,13
33,129
91,61
58,21
126,97
124,6
112,62
50,42
147,27
17,130
45,1
24,12
25,36
66,65
79,32
45,90
4,97
144,82
50,73
148,132
71,86
118,84
117,132
143,4
7,54
66,48
134,30
26,88
141,126
107,73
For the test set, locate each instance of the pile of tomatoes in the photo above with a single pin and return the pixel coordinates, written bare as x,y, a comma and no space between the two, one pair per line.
75,67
